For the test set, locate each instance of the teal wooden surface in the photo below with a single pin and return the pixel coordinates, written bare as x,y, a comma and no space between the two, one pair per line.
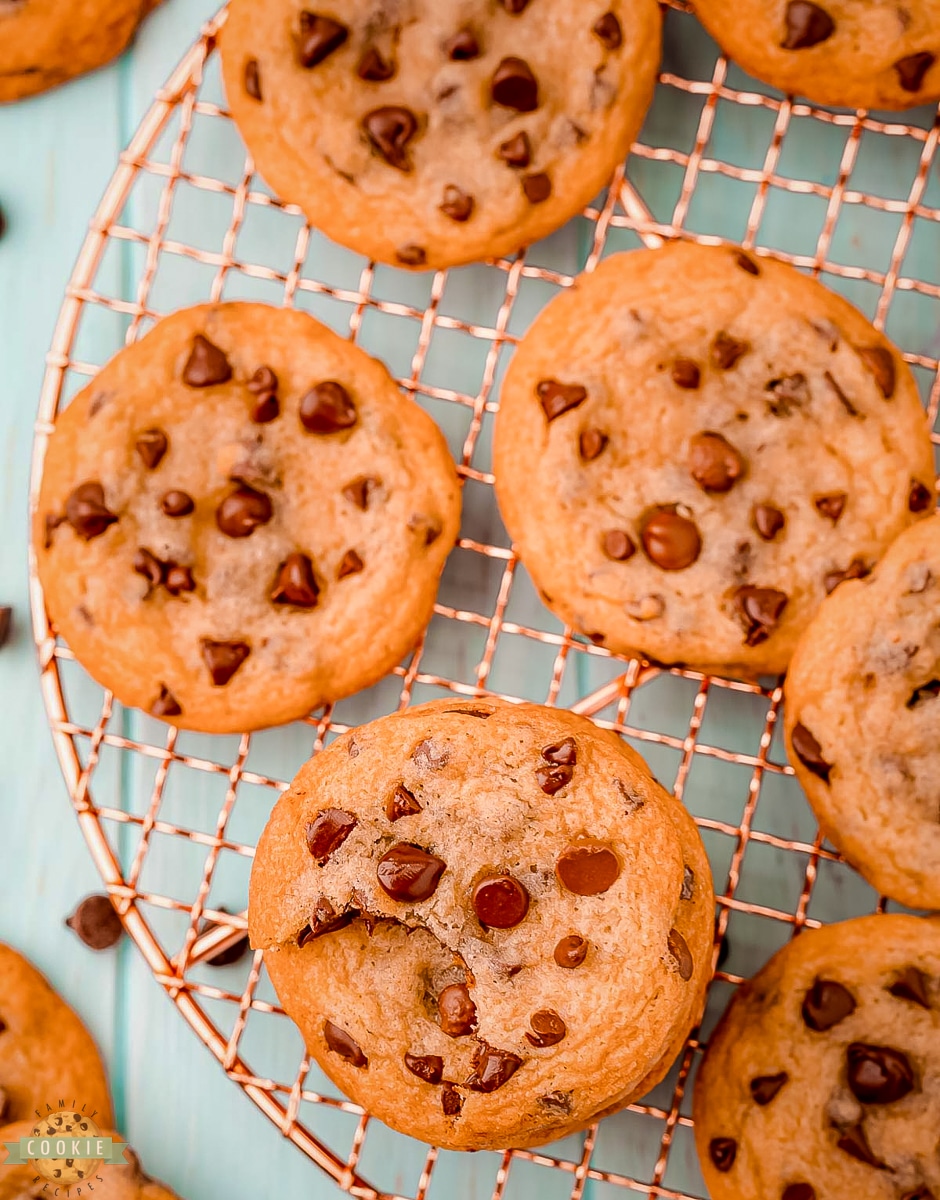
190,1124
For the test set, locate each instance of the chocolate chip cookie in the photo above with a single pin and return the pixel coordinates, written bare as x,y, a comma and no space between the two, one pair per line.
863,719
427,134
489,921
46,1053
823,1079
241,517
695,445
44,42
850,53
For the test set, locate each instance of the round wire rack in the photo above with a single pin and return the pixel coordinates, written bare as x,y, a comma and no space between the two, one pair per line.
171,818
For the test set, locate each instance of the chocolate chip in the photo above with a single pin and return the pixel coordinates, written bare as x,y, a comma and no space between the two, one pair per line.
462,47
556,1102
912,69
723,1151
588,870
150,567
325,919
670,540
714,463
831,506
517,152
296,583
857,569
263,386
429,1067
798,1191
86,511
537,187
921,1193
227,955
807,25
826,1004
920,497
679,949
514,86
327,832
607,28
389,130
768,521
406,872
591,444
352,564
492,1068
207,364
911,983
854,1142
514,7
178,579
809,752
327,408
343,1044
319,37
4,1097
548,1029
553,779
253,79
374,67
840,394
500,902
746,263
411,255
564,752
151,445
242,511
177,504
790,392
765,1087
618,545
451,1099
726,351
96,923
457,1011
557,398
457,205
686,373
688,883
878,1074
482,713
223,659
401,803
571,951
759,610
166,704
928,691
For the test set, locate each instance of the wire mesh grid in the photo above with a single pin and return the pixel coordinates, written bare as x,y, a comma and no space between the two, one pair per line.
171,818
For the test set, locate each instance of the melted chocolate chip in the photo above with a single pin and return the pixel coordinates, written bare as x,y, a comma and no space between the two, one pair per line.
571,951
723,1151
714,463
150,567
556,1102
253,78
166,704
151,445
607,28
177,504
319,37
765,1087
686,373
223,659
854,1142
618,545
548,1029
557,398
492,1068
327,832
857,569
806,25
374,67
462,47
809,752
207,364
352,564
406,872
500,902
726,351
927,691
759,610
591,444
553,779
670,540
798,1191
514,86
457,205
242,511
537,187
482,713
263,386
296,583
517,152
878,1074
679,949
327,408
429,1067
911,983
451,1099
178,579
912,69
401,803
919,498
564,752
412,255
344,1044
768,521
325,920
457,1011
389,130
826,1004
86,511
746,263
588,870
96,923
831,506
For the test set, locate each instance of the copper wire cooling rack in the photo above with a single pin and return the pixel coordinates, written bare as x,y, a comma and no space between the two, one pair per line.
166,813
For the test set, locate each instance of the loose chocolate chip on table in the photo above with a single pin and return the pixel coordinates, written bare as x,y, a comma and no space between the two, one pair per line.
411,255
688,883
571,951
746,263
789,393
86,511
912,69
178,579
327,408
911,983
857,569
548,1029
670,540
401,803
759,610
6,614
557,398
296,583
166,704
831,506
765,1087
242,511
451,1099
927,691
807,25
679,949
406,872
514,86
517,152
228,955
3,222
798,1191
253,78
854,1142
457,1011
343,1044
223,659
429,1067
492,1068
537,187
319,37
768,521
723,1151
686,373
151,445
878,1074
919,499
206,365
588,870
327,832
714,463
500,902
618,545
825,1004
352,564
374,67
457,205
591,444
96,923
150,567
462,47
726,351
390,129
177,504
607,28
